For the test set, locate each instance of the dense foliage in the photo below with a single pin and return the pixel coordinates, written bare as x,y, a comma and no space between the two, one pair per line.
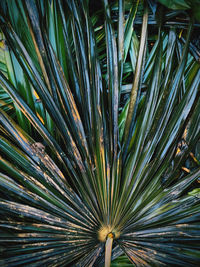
99,124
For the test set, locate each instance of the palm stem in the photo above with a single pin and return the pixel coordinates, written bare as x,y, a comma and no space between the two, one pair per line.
108,250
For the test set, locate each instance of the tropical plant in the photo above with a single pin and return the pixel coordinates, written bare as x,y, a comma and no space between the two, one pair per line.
98,122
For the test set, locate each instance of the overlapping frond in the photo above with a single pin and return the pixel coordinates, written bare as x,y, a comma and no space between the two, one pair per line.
78,165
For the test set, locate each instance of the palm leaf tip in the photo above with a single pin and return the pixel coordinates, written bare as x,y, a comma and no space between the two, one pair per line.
90,169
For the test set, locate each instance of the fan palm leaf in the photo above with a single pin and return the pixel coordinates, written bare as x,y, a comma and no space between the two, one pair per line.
85,178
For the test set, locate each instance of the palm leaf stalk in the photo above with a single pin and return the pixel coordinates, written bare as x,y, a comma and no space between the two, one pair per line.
85,178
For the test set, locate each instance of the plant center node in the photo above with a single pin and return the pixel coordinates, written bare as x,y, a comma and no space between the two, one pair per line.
107,231
110,235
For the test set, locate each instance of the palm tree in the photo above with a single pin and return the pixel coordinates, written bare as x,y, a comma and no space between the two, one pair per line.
99,123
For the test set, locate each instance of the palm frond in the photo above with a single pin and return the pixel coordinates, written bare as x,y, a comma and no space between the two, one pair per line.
86,175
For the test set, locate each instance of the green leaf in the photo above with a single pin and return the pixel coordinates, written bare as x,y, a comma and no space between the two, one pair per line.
176,4
195,192
74,190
